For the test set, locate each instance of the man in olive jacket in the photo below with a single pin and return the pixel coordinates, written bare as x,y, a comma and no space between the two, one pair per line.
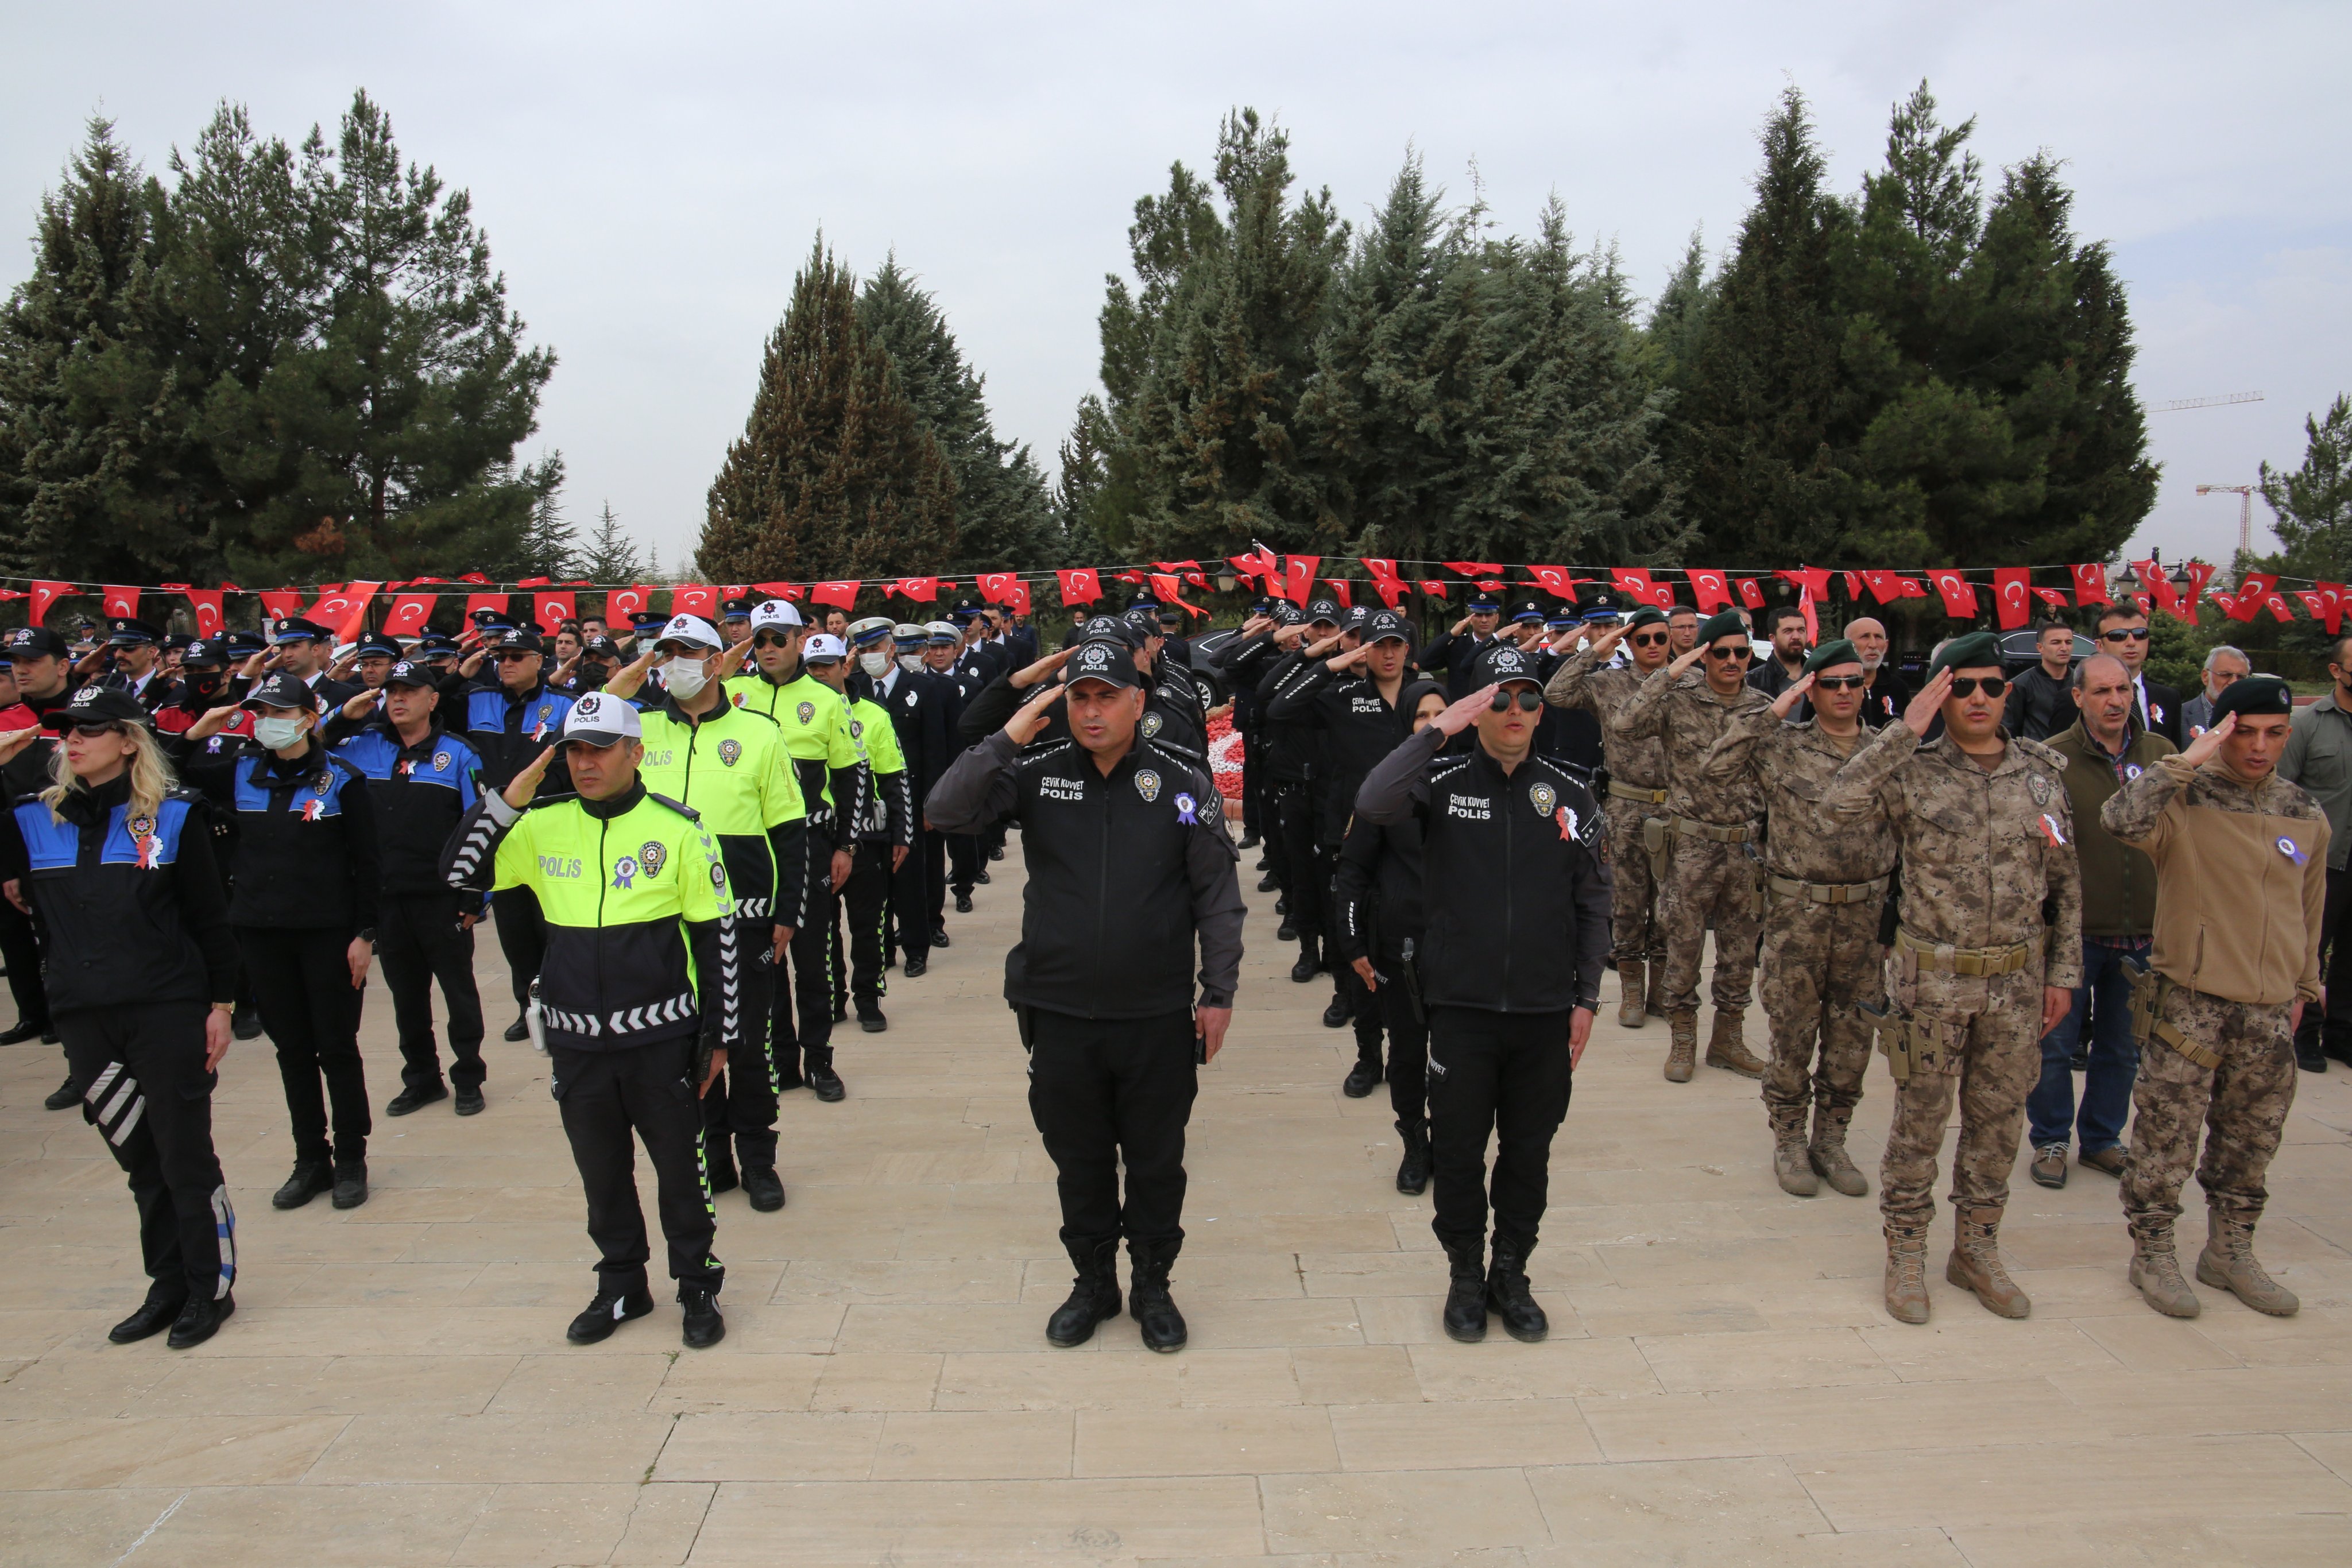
2105,749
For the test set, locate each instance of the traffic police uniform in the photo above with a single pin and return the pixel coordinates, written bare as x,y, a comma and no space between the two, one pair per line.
921,707
889,824
509,730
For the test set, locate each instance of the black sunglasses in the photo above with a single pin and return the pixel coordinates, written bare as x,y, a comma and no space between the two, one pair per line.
1528,701
512,657
1650,640
1841,683
1732,652
1968,686
2126,634
91,730
769,639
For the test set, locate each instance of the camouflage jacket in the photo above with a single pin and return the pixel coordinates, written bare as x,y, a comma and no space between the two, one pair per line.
1684,716
1639,760
1988,857
1793,764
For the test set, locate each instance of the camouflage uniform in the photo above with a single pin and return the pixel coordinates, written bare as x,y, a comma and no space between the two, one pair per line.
1826,888
1637,782
1990,879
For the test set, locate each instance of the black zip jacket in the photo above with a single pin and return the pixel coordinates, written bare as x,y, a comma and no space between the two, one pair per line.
1378,879
2039,707
305,855
417,794
1124,871
131,908
1357,728
1462,657
1294,750
1517,899
1169,717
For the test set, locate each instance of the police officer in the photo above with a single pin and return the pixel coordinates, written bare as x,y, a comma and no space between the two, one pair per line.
923,721
1127,863
1295,757
118,861
638,1001
420,786
204,685
305,650
885,839
2241,899
1989,950
1456,653
373,657
1245,664
1517,929
138,651
510,718
38,659
965,860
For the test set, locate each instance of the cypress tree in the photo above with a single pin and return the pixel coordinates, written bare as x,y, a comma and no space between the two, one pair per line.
2311,504
610,555
834,475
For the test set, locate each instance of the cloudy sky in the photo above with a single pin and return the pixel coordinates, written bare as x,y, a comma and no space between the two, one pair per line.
650,176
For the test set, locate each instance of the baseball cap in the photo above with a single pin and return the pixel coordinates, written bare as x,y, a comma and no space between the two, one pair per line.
35,642
1381,625
1323,609
514,640
602,646
822,649
105,704
601,718
1111,629
1504,663
1101,659
281,688
408,673
776,614
688,631
203,653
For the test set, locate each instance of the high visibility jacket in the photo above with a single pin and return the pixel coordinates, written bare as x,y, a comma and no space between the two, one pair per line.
733,769
641,939
831,769
890,817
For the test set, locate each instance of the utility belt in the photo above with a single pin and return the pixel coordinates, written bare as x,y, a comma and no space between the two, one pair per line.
2006,959
1658,834
2149,991
1825,892
1630,792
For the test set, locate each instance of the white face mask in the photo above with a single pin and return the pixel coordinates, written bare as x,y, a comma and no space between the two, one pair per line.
874,664
910,662
277,733
683,678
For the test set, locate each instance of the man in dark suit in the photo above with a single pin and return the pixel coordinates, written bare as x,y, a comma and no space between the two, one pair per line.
950,657
2123,632
922,707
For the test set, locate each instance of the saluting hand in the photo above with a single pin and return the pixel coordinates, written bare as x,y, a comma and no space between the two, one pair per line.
624,681
525,784
1352,659
1290,636
16,740
359,706
1602,645
1459,626
1791,696
1030,716
1685,661
1461,715
2206,747
1929,703
1030,674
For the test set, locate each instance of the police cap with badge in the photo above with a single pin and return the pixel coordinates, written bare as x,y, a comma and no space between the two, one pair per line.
1323,612
105,705
37,642
1386,625
407,672
1102,659
130,632
599,719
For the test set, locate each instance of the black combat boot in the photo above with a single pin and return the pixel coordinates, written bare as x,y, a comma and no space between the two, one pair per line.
1365,1076
1507,1293
1465,1298
1094,1294
1308,965
822,1078
1413,1171
310,1178
1148,1300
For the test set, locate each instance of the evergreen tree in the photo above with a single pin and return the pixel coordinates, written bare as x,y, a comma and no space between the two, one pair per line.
550,545
834,475
1003,518
2311,506
610,555
1079,491
1677,323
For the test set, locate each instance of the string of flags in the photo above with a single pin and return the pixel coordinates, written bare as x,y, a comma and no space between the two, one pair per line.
2013,595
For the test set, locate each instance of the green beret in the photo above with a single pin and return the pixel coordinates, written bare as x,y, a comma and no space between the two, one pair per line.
1648,615
1722,623
1831,653
1977,650
2266,695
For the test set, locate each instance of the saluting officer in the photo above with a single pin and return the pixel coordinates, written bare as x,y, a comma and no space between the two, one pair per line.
1295,748
510,718
1987,953
1127,863
1456,653
641,978
1706,844
922,716
885,836
1826,875
1517,929
2241,899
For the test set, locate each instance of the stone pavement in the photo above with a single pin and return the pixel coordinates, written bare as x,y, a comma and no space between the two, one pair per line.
1721,1385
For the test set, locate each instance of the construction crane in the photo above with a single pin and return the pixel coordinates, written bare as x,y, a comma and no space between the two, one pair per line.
2245,494
2225,399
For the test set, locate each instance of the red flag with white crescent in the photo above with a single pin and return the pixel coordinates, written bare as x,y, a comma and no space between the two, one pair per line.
1959,597
1711,589
408,614
2090,584
122,598
2012,601
1752,593
1080,585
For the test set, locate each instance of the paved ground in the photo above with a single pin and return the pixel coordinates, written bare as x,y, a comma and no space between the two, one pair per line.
1721,1385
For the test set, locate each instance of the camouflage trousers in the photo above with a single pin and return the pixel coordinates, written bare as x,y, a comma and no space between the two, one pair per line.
1706,881
1820,960
1635,934
2242,1106
1995,1023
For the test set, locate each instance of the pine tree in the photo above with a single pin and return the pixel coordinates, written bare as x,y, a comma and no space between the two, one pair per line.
610,556
834,475
1081,491
549,545
1677,323
2311,506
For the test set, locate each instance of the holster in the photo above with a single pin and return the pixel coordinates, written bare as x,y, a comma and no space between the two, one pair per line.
705,1046
534,1019
1657,838
2149,991
1910,1044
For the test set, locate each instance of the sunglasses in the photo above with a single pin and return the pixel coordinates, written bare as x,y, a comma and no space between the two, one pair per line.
512,658
771,640
1650,640
92,731
2135,634
1742,655
1528,701
1969,686
1841,683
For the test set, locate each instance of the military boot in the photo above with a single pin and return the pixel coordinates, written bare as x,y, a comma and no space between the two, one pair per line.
1657,1005
1829,1160
1682,1046
1413,1171
1974,1263
1094,1294
1148,1300
1508,1295
1792,1164
1633,1006
1727,1047
2227,1264
1465,1297
2156,1275
1906,1272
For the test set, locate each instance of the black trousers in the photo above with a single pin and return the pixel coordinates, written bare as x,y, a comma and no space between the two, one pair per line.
1253,783
741,1105
302,981
1389,1010
866,903
146,1089
607,1098
800,1013
522,937
417,942
1307,876
910,904
1107,1093
965,858
23,956
935,879
1502,1074
1270,828
2337,961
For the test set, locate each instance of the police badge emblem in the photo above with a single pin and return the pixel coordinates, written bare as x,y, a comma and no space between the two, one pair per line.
440,762
1147,784
1543,798
807,711
856,730
730,752
651,855
2041,788
1151,725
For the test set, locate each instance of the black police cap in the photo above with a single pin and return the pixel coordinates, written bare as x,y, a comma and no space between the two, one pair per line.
204,654
409,674
1323,609
1506,662
36,642
296,629
130,632
514,640
282,688
104,704
375,645
1381,625
1098,659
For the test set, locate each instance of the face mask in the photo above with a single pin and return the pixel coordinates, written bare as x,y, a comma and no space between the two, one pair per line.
910,662
684,678
277,733
874,664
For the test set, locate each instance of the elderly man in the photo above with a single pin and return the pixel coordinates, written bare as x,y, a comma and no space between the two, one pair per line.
2105,749
1883,700
2224,667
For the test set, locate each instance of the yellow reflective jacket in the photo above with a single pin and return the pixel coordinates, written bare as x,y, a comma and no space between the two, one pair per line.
733,769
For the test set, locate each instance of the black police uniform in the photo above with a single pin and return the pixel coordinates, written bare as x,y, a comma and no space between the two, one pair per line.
26,774
1457,655
1517,902
509,730
922,709
1378,888
1124,871
1243,663
1293,756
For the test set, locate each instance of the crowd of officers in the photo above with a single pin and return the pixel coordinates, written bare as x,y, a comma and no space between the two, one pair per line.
669,827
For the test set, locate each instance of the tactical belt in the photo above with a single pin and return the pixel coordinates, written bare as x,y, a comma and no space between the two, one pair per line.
2150,992
2002,960
1628,792
1690,828
1826,892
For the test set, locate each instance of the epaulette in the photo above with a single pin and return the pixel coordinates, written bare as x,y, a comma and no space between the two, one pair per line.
1182,755
2048,755
1041,753
561,798
680,806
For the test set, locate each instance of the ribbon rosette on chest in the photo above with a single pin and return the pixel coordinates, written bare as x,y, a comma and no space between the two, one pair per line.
625,873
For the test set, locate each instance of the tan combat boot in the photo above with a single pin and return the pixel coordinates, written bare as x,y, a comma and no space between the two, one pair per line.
2227,1264
2156,1275
1906,1272
1682,1046
1728,1049
1974,1263
1827,1154
1631,1011
1657,1007
1791,1164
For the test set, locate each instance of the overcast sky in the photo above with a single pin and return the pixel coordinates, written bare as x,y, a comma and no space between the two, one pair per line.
651,176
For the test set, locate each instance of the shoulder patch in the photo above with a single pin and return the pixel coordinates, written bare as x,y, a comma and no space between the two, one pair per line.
1041,754
2042,751
680,806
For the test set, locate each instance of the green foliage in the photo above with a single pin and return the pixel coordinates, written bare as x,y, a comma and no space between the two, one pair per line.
2310,506
610,556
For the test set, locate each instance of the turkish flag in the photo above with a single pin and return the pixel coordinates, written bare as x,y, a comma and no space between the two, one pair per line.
356,599
921,589
474,602
1389,588
1298,577
1812,579
782,590
122,600
2229,604
694,599
44,593
1381,569
1016,598
2152,578
2277,604
2199,573
2252,589
553,610
1752,593
2325,602
1080,585
208,603
1813,617
1711,589
996,586
1884,585
1136,577
1188,570
1632,581
278,603
410,611
2339,599
1338,587
1473,568
1169,590
840,595
1248,568
1852,586
2011,602
2090,584
1959,597
1493,584
625,603
2054,597
1433,586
